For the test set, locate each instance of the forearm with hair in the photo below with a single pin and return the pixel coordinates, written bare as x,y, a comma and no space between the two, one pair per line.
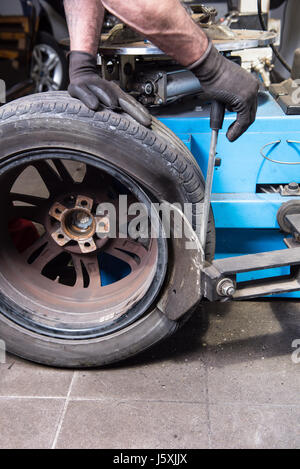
166,24
84,18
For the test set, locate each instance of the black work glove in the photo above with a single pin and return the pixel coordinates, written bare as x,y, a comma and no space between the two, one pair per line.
93,91
229,83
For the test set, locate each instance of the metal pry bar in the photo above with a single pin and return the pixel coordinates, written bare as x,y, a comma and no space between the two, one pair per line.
216,123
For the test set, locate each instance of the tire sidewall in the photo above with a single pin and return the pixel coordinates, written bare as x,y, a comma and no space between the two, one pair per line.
121,142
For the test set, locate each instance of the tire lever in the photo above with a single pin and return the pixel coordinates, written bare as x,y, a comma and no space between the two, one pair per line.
217,114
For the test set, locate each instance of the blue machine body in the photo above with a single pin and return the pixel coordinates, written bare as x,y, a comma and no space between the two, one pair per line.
245,219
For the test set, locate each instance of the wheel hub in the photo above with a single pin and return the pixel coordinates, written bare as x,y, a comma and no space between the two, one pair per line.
79,224
81,221
78,280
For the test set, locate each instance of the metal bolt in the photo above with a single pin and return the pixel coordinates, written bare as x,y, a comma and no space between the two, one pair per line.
82,220
226,287
148,88
293,186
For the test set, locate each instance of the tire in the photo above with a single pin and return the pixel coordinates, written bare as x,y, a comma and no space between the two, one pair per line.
47,49
276,3
156,159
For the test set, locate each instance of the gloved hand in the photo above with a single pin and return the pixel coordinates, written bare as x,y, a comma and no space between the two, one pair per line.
229,83
93,91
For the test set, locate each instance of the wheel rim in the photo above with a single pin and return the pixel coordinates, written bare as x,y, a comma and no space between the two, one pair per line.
46,69
60,286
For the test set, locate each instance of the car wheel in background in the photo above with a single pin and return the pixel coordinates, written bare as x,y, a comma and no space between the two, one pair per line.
49,67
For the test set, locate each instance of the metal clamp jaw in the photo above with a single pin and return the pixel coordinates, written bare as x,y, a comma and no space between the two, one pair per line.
219,277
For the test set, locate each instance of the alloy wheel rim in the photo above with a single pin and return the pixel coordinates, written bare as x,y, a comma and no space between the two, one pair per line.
56,299
46,69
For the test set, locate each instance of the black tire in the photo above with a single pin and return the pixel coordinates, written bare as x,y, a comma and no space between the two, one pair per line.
45,40
155,158
276,4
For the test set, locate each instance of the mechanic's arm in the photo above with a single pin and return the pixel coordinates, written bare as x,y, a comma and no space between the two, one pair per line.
85,20
167,24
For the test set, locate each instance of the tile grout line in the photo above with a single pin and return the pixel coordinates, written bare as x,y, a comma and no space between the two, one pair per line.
125,401
170,401
32,397
62,417
207,407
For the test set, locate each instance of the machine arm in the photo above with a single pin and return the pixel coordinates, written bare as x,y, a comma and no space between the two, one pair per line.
219,277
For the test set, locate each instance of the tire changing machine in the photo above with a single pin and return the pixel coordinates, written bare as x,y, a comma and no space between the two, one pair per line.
255,198
256,189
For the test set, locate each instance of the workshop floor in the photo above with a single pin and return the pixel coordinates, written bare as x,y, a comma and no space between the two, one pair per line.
226,380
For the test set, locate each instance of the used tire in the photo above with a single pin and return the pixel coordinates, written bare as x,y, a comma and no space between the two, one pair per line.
152,160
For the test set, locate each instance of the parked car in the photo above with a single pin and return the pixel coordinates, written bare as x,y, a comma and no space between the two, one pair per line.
49,68
30,31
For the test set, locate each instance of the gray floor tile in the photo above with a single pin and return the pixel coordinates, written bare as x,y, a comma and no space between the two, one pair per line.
279,314
249,353
166,381
265,427
134,425
258,382
253,389
28,423
242,332
22,378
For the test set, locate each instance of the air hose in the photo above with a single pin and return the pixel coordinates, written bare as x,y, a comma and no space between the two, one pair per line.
274,49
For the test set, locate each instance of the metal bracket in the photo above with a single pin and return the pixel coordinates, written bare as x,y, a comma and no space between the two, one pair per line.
219,278
294,220
215,273
184,290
